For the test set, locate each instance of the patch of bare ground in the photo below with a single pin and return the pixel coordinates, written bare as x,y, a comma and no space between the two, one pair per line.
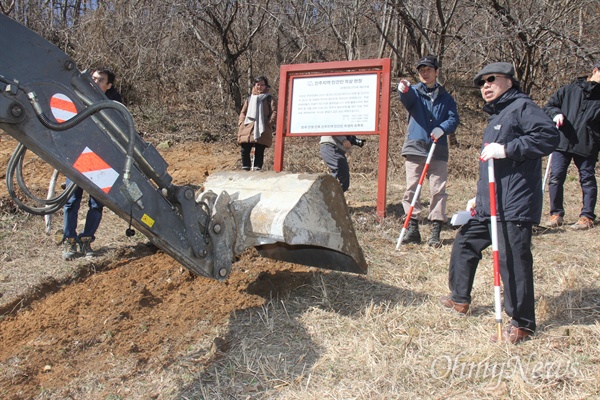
133,324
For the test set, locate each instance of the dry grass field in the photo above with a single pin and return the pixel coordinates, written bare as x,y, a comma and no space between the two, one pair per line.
133,324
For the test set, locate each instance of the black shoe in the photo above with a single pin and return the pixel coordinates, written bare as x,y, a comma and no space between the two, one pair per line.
412,233
434,239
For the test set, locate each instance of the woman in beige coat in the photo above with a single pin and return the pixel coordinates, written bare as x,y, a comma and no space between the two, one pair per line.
256,124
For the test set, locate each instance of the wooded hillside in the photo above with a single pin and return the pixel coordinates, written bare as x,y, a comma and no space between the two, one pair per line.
190,63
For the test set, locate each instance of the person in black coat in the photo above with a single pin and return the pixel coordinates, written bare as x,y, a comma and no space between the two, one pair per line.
575,108
517,136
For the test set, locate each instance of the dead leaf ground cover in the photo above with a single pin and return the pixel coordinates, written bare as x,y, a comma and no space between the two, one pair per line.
133,324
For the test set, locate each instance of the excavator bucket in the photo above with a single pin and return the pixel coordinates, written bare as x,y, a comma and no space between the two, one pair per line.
299,218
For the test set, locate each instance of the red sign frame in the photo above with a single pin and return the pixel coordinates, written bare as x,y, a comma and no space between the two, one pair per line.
382,67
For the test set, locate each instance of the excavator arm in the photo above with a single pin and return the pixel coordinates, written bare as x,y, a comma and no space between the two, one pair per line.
56,111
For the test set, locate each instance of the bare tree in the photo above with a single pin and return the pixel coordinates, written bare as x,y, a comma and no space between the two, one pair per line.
7,8
419,29
345,19
300,32
531,35
195,58
227,29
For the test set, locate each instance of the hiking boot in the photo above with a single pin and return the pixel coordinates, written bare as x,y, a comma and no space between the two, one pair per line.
513,335
555,221
583,224
461,308
70,250
412,233
85,246
434,239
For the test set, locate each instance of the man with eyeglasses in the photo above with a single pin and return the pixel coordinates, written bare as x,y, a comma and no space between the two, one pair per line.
575,108
517,136
77,245
432,116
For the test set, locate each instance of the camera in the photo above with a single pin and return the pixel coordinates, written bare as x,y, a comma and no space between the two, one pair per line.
354,141
359,142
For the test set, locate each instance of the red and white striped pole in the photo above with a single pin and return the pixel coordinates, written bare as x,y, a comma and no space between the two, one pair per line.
416,196
494,228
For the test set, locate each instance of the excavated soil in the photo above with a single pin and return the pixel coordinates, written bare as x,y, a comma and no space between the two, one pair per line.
130,311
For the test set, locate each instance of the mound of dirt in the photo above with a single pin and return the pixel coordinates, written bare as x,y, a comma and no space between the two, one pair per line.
138,314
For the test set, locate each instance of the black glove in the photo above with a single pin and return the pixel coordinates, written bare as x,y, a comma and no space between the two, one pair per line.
452,141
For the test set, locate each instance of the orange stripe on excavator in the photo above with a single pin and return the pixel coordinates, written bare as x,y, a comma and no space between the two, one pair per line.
89,161
62,104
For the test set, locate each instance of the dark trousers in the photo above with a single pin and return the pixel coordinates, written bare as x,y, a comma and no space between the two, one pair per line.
259,155
336,160
587,179
516,266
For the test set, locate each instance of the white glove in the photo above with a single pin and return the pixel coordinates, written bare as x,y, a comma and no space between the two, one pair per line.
403,86
437,133
493,150
471,206
558,119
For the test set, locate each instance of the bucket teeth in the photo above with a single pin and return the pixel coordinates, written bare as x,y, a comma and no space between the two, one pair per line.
298,218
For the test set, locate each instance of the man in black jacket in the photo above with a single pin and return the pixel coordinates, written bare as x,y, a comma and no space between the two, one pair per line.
517,136
575,108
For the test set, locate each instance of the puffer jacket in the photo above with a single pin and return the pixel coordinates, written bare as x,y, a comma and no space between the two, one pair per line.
528,134
246,132
427,111
579,102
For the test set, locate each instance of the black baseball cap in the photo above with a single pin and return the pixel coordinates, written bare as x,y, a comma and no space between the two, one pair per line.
428,61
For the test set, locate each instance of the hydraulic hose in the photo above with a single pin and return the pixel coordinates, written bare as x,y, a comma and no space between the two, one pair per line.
48,206
94,108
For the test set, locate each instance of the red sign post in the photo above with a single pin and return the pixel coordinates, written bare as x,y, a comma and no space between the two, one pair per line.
336,98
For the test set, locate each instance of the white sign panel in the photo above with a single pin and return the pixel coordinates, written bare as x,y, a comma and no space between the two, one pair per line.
328,104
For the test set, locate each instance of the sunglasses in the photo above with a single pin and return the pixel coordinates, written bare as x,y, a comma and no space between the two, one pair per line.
489,79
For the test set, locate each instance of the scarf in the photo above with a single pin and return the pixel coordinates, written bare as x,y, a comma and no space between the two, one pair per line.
255,114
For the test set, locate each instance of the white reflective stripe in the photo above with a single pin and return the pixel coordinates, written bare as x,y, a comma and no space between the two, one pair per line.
103,178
